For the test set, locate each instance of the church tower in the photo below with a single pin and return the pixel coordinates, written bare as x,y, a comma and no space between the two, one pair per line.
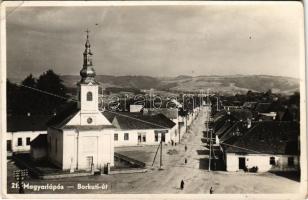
88,88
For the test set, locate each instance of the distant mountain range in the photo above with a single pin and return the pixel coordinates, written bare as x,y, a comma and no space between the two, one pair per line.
224,84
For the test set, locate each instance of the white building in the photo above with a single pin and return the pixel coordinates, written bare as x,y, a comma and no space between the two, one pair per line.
267,145
134,129
22,129
81,138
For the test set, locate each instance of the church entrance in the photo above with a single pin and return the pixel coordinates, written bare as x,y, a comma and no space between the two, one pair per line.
89,163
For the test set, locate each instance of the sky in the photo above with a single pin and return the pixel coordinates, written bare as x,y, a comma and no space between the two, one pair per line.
214,39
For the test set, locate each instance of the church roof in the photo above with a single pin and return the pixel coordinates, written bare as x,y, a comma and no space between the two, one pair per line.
85,127
64,117
127,121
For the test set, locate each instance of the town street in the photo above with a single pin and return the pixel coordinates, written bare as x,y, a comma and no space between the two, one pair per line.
195,173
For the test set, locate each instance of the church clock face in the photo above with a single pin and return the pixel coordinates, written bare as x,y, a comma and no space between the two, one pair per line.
89,120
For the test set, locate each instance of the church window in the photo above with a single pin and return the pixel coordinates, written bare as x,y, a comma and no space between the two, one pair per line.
89,96
126,136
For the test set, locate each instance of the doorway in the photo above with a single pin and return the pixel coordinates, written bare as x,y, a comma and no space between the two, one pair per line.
241,162
89,162
9,145
139,138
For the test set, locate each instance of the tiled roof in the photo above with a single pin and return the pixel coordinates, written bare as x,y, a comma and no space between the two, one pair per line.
126,121
17,123
169,113
223,128
268,137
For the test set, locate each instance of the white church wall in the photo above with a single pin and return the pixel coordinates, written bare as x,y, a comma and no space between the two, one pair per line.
81,119
89,105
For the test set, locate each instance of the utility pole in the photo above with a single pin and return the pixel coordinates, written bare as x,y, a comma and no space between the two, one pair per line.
217,104
161,153
210,151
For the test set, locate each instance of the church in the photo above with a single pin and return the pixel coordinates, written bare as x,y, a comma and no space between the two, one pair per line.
81,138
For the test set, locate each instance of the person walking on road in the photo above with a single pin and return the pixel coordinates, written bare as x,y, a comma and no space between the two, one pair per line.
182,184
185,147
211,190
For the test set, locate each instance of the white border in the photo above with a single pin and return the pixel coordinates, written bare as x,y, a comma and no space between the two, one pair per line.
303,113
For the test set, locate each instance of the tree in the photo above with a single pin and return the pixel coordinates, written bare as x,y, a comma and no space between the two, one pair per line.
29,81
51,83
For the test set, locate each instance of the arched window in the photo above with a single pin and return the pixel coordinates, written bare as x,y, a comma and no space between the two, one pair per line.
89,96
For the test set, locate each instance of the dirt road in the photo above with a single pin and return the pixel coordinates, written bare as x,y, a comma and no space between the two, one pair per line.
195,174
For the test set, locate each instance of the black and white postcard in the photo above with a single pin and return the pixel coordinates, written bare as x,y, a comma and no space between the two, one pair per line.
153,100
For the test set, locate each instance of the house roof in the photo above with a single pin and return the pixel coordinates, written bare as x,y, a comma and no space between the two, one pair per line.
126,121
223,128
62,118
241,114
168,112
263,107
17,123
87,127
39,141
268,137
250,104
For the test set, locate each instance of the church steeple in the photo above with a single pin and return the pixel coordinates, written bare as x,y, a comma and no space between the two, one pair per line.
87,72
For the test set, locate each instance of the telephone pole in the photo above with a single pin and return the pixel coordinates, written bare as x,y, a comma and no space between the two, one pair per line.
210,155
161,154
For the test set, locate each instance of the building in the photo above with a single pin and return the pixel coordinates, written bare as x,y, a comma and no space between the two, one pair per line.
170,113
266,146
22,129
134,129
81,138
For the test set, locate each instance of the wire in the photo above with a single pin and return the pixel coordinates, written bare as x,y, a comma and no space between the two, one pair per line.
240,147
48,93
44,92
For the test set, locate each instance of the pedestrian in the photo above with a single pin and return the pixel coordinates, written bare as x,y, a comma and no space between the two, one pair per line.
211,190
185,161
182,184
172,142
185,147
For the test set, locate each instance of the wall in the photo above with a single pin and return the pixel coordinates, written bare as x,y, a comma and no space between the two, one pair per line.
13,136
79,145
133,137
262,161
55,152
38,153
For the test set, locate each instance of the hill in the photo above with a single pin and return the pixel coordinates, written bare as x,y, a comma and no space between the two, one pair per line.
223,84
